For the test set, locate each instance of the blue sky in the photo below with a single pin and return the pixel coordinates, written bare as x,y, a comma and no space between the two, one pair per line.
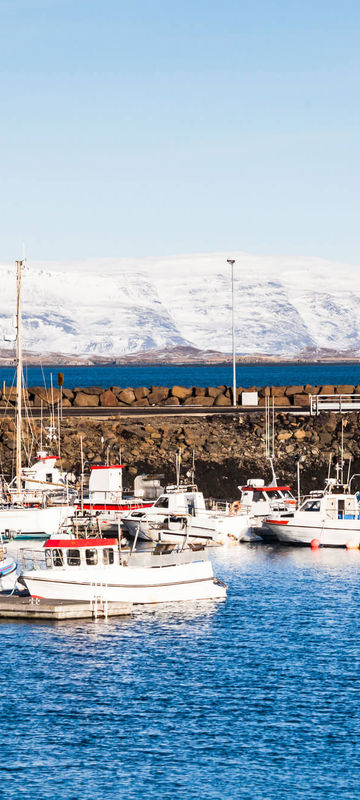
155,127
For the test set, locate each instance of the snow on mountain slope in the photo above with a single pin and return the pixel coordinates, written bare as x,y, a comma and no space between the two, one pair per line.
118,306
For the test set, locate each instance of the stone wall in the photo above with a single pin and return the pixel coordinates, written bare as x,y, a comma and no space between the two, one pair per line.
143,396
228,450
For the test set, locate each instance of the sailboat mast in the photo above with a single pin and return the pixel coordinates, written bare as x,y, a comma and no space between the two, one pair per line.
19,265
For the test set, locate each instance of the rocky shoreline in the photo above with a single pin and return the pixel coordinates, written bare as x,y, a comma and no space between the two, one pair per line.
145,396
228,450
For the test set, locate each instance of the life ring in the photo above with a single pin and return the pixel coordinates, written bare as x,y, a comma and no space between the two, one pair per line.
235,507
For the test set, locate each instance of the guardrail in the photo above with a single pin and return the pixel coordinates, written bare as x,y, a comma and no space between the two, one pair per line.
333,402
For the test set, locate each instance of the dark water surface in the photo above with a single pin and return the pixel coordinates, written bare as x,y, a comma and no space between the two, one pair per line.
254,698
248,375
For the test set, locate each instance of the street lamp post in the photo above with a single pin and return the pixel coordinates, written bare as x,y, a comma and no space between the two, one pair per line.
231,261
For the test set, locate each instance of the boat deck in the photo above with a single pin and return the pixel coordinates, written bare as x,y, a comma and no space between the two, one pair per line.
15,606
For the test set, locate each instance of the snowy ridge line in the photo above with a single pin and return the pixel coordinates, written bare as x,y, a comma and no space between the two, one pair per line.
113,307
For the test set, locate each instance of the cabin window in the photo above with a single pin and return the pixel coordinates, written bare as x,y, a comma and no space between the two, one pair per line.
108,555
311,505
48,558
162,502
73,557
48,477
58,557
91,557
257,498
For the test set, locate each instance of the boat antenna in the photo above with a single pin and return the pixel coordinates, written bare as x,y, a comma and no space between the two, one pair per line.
18,410
178,467
82,474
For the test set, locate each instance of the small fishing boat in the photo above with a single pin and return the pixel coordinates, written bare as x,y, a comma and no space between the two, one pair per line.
259,501
99,569
330,518
183,511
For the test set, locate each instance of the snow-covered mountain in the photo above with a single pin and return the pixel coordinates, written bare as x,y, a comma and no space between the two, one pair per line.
120,306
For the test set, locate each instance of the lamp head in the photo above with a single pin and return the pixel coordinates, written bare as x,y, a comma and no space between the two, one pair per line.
230,261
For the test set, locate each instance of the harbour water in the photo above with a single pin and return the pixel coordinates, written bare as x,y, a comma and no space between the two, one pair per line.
256,697
191,375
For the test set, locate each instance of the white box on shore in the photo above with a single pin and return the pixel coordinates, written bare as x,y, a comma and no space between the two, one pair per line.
249,399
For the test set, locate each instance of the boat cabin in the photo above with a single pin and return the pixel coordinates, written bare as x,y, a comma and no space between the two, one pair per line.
105,484
259,500
93,552
44,475
332,506
180,500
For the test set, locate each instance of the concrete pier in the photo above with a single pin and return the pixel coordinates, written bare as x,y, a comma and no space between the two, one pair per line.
17,607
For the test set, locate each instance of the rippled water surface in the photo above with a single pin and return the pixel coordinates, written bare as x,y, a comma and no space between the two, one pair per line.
257,697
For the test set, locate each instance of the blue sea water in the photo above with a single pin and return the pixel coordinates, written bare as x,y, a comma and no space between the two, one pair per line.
191,375
254,698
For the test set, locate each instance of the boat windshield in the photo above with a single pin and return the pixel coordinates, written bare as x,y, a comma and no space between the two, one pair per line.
311,505
162,502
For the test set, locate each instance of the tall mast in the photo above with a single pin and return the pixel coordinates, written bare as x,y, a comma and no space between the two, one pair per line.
19,265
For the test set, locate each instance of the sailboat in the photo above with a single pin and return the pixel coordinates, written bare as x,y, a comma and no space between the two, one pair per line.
22,515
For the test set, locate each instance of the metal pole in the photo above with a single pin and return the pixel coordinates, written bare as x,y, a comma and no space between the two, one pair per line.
19,265
231,261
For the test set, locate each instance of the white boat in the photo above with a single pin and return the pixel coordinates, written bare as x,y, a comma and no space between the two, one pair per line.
182,511
34,522
330,518
259,501
8,575
95,569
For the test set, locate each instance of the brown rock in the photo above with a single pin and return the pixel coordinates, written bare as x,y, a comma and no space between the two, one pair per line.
301,400
199,401
127,396
300,434
45,395
89,389
344,389
171,401
283,436
294,390
281,401
312,389
181,392
108,398
199,391
83,400
221,400
277,391
327,390
9,393
157,394
68,394
141,392
66,403
212,392
141,403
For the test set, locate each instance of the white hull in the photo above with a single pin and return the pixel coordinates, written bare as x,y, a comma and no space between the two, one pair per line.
193,581
34,521
338,534
8,574
218,530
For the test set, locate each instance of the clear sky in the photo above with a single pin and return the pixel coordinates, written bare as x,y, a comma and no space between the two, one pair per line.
151,127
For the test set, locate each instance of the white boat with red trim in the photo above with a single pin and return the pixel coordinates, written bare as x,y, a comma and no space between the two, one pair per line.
260,501
330,518
89,569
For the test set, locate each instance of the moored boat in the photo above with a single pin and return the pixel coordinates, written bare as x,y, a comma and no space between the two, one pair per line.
96,568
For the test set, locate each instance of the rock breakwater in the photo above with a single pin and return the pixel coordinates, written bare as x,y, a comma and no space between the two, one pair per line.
227,450
147,396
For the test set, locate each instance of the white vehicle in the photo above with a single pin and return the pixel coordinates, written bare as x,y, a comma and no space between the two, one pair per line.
182,511
98,569
331,518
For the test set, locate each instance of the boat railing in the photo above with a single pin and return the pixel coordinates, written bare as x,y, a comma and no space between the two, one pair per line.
29,559
333,402
160,558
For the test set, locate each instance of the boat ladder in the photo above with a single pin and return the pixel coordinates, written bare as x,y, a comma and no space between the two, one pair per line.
99,604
